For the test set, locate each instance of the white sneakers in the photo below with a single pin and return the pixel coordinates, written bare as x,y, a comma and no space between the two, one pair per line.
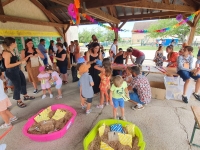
44,96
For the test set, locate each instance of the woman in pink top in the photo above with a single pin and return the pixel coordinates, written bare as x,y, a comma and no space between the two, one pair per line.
140,57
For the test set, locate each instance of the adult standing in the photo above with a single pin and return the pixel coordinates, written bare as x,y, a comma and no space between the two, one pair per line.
51,50
91,57
60,41
42,49
76,50
71,50
140,57
13,71
62,62
113,47
171,57
33,72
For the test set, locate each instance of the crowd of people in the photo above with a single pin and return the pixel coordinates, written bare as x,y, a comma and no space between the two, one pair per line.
94,70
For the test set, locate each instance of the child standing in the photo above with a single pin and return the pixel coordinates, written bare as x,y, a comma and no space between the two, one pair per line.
56,79
6,115
141,87
186,72
44,77
105,75
86,83
117,91
159,57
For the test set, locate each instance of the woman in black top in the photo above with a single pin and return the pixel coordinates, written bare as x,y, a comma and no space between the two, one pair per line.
51,50
13,71
62,62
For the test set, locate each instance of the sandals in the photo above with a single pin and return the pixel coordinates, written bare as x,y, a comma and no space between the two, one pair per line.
59,97
29,98
21,104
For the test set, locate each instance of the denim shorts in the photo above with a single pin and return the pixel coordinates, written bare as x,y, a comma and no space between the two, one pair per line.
63,69
118,102
185,75
89,100
58,86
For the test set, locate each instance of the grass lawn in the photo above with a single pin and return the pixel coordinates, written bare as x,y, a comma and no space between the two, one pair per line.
176,48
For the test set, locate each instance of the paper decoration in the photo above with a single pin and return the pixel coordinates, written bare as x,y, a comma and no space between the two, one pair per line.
116,128
44,115
71,10
125,139
140,31
59,114
105,146
113,136
101,130
131,129
179,17
77,3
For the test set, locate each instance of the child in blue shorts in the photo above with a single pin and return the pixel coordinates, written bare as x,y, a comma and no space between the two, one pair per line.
186,72
117,91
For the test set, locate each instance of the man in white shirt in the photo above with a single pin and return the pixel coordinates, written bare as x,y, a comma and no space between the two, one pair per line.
114,47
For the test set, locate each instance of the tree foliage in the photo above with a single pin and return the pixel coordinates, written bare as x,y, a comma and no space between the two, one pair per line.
180,32
102,35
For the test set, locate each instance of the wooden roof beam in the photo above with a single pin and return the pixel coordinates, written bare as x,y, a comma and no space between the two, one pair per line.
30,21
102,15
152,15
4,3
160,6
190,2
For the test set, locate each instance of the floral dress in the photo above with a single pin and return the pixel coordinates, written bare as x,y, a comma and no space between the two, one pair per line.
159,59
104,84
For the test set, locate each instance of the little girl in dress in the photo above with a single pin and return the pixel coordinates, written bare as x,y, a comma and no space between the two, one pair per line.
56,79
44,77
105,75
6,115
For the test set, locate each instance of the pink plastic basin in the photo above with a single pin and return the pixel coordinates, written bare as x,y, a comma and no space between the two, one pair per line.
54,135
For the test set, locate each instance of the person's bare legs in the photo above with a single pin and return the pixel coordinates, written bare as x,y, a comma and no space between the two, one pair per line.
44,92
186,87
88,106
10,115
197,86
133,102
34,85
5,117
114,112
122,112
49,90
101,97
59,92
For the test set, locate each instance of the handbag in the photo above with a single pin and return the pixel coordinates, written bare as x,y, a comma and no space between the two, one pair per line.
34,62
41,61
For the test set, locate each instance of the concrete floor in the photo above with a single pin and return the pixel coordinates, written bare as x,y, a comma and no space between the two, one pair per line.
165,124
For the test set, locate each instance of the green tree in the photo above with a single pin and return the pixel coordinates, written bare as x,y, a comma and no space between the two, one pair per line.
101,33
180,32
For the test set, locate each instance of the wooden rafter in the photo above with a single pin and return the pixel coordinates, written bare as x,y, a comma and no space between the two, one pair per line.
166,1
122,24
48,14
189,2
188,22
30,21
114,11
153,15
93,12
102,15
196,19
2,12
124,11
109,11
4,3
159,6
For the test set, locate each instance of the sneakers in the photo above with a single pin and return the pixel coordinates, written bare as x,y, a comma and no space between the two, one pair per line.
196,96
59,97
88,111
5,126
123,118
35,91
13,119
44,96
51,95
136,107
106,103
184,98
83,107
100,106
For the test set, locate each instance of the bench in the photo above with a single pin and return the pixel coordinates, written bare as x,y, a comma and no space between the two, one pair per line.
196,112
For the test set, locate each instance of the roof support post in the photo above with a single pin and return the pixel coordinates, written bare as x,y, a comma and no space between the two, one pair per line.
193,29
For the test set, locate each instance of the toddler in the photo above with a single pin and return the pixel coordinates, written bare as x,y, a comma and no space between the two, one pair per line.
44,77
56,79
117,92
105,75
6,115
86,90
